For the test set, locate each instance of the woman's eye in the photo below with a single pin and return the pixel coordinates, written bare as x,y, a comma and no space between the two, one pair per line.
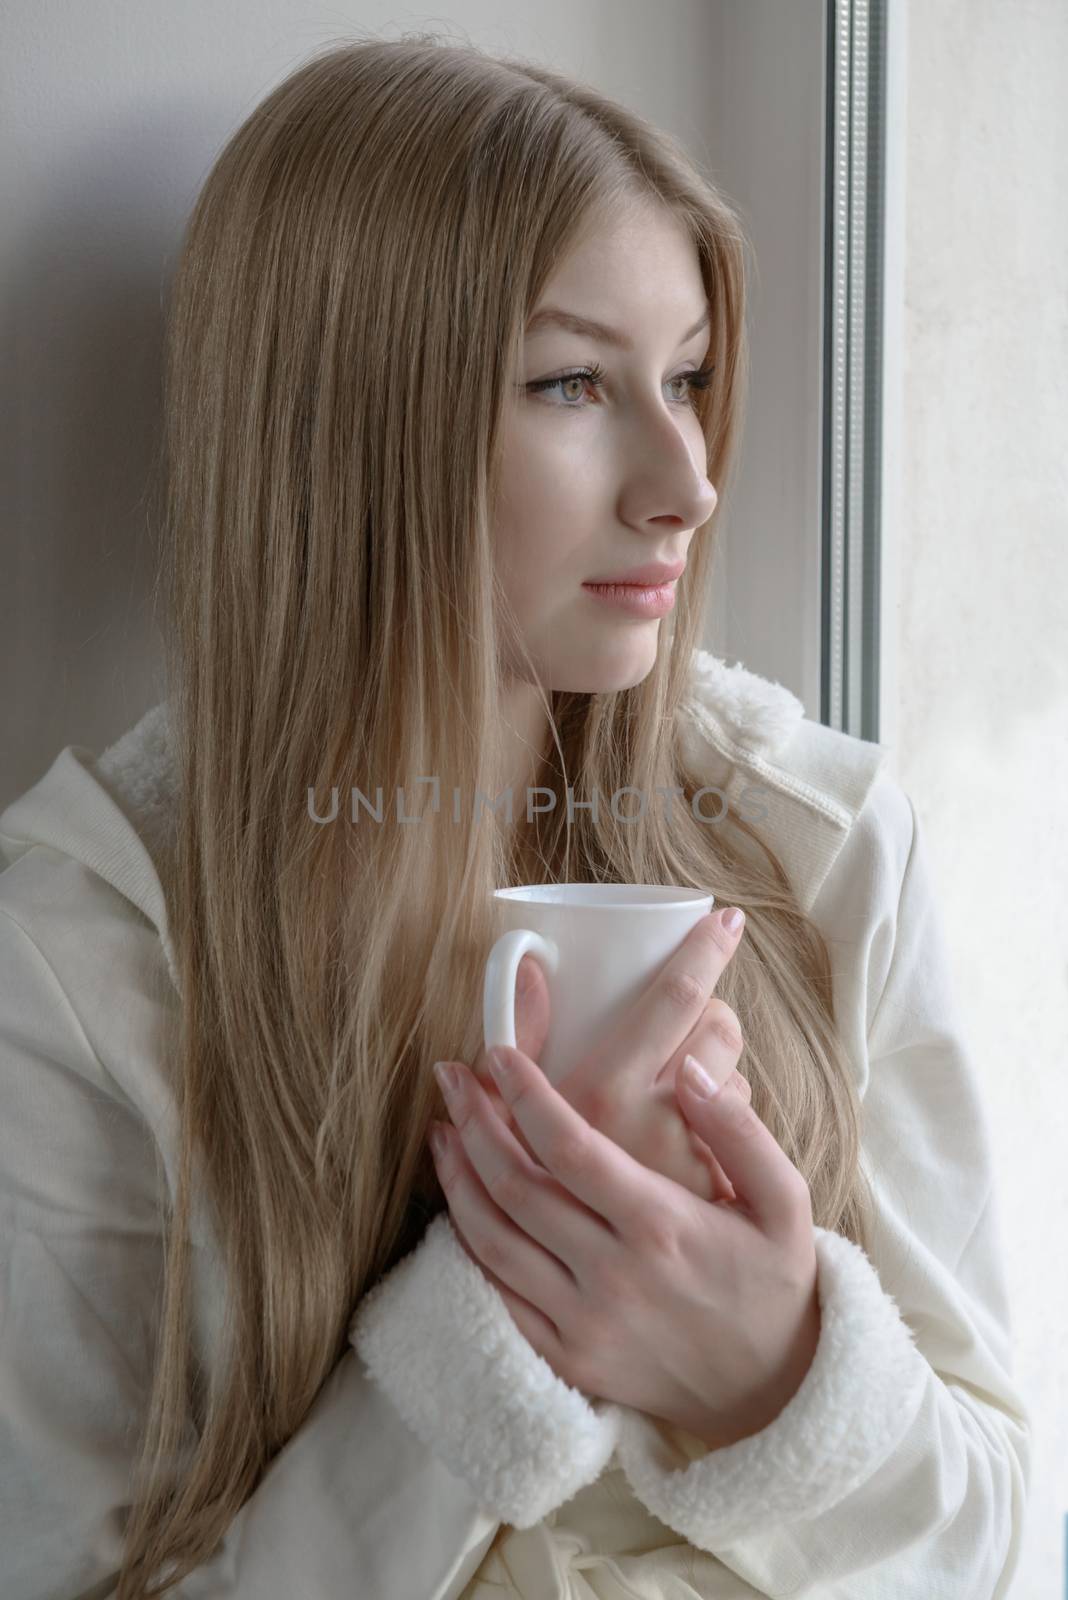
594,376
571,397
573,378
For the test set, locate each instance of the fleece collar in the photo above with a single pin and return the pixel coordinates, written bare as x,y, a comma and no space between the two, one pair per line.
757,714
754,714
116,812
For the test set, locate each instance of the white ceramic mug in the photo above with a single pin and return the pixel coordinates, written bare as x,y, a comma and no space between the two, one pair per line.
599,944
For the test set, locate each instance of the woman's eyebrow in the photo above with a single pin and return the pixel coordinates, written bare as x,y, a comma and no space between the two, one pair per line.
571,322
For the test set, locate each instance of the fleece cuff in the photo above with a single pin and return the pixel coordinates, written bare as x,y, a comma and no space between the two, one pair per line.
854,1405
437,1336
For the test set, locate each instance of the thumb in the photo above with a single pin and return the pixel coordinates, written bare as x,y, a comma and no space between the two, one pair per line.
760,1172
531,1008
531,1030
531,1018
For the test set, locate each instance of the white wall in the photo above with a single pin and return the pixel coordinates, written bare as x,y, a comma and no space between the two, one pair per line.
982,623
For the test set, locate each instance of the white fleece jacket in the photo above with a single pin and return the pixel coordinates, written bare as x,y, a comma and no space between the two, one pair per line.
443,1457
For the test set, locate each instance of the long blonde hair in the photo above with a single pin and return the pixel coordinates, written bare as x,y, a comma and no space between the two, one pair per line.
345,321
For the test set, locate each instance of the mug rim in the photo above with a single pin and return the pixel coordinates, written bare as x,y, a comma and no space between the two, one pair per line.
534,894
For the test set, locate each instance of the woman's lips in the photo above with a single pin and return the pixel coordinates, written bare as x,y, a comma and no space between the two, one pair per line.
640,600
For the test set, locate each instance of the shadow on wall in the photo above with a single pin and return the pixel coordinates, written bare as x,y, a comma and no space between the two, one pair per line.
80,649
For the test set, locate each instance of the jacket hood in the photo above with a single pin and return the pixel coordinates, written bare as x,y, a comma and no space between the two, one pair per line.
114,813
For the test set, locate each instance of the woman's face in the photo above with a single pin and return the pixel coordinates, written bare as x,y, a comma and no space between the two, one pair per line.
600,479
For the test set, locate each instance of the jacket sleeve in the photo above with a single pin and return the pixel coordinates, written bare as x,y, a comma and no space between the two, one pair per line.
901,1465
354,1504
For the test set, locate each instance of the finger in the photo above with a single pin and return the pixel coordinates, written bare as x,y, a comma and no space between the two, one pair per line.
698,1171
658,1024
532,1010
487,1236
720,1186
715,1039
524,1190
592,1168
741,1085
767,1183
499,1106
717,1042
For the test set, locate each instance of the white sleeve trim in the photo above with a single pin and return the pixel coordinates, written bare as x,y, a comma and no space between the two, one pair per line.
855,1404
440,1340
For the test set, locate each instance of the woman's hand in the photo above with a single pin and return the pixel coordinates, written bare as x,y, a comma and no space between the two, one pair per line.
633,1289
626,1087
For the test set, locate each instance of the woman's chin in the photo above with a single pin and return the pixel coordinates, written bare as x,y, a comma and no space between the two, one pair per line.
621,665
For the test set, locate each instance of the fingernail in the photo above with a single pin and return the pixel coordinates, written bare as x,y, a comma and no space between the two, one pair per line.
448,1078
697,1078
501,1068
438,1142
524,978
732,920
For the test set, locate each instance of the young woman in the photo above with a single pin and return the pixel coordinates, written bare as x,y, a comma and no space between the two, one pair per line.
454,344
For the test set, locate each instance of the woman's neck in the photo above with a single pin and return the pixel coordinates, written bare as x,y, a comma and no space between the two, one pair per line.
524,742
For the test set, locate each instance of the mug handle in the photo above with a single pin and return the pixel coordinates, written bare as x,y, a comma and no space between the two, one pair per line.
498,990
